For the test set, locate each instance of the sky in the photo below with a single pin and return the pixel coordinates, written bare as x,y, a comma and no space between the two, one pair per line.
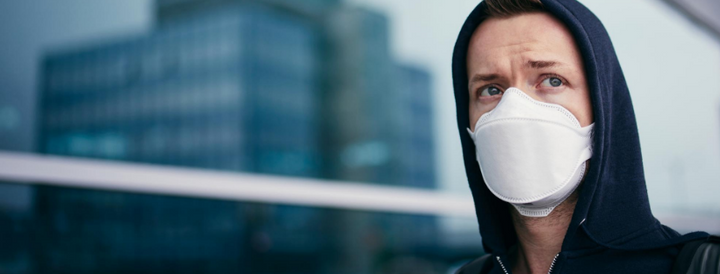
671,66
28,28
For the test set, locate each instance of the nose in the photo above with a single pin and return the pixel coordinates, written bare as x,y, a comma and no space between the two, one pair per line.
528,89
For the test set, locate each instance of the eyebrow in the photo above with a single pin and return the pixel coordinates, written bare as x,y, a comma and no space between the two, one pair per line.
542,64
535,64
484,77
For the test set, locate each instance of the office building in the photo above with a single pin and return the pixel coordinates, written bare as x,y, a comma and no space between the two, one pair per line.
415,128
358,104
231,89
273,87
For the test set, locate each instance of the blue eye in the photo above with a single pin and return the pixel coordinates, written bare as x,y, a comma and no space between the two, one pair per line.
552,82
490,91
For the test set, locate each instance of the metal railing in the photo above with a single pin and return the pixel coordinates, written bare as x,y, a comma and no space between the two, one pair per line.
187,182
245,187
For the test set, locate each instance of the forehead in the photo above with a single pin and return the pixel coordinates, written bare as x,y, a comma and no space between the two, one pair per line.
526,36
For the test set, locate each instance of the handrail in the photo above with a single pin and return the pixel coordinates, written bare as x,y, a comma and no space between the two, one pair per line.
188,182
246,187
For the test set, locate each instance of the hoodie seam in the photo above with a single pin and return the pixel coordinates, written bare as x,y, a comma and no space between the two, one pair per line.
622,239
638,233
673,242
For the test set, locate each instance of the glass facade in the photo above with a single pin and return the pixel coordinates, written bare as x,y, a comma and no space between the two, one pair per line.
49,229
273,87
360,102
246,87
415,123
222,89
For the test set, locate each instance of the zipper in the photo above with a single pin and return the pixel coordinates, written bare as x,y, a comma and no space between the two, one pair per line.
552,265
501,264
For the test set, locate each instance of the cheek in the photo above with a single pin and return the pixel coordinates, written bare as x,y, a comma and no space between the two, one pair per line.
580,106
474,116
478,109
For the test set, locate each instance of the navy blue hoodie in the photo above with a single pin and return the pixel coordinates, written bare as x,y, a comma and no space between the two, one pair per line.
612,229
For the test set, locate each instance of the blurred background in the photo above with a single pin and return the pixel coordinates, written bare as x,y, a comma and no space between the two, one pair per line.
284,136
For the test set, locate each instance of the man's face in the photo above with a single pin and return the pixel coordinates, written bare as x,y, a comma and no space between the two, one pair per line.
533,52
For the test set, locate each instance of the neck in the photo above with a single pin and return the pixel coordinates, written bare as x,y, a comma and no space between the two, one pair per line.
540,239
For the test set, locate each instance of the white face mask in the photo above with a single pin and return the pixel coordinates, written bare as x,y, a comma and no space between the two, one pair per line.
531,154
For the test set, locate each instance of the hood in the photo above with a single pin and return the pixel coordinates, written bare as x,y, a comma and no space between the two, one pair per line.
613,208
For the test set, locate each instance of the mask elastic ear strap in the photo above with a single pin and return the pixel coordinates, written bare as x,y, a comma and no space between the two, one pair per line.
586,154
586,131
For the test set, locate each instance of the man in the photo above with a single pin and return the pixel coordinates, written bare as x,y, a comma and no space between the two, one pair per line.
550,145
